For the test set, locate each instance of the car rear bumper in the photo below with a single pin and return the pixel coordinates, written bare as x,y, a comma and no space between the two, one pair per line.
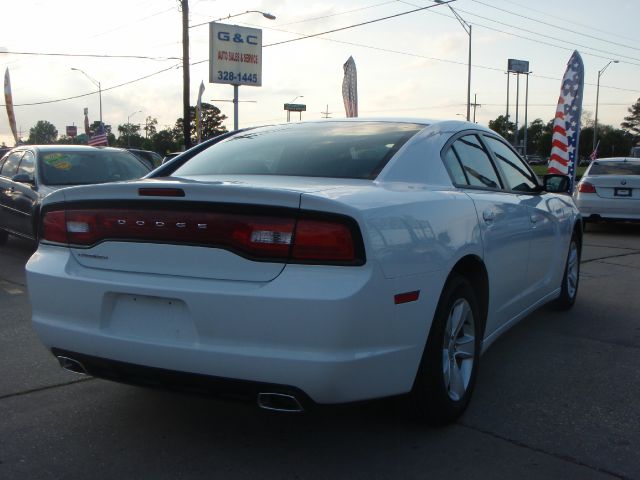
333,333
615,209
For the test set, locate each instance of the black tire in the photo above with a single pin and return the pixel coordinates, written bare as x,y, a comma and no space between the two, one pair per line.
3,237
571,277
437,398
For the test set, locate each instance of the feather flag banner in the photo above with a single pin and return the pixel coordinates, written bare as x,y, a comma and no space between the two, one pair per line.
566,124
350,88
8,100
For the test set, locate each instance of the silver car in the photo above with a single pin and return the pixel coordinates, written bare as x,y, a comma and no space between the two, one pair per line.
610,190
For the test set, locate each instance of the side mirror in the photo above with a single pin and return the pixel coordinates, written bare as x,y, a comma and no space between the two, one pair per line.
23,178
556,183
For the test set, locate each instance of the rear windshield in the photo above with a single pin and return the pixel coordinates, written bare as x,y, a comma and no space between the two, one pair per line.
87,167
617,168
331,149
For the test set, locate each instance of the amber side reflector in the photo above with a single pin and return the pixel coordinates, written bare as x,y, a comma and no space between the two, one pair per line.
161,192
406,297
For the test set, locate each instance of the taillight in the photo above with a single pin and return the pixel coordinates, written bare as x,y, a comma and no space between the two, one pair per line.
323,240
586,187
259,237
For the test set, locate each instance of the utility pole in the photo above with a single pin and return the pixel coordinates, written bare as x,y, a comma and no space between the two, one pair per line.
474,105
184,6
326,113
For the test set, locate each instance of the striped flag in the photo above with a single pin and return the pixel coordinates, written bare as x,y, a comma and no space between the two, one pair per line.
99,139
566,125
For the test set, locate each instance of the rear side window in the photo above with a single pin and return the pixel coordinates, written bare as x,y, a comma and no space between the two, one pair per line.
615,168
515,172
475,162
327,149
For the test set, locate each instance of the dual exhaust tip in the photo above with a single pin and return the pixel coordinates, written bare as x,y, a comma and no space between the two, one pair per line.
71,365
275,402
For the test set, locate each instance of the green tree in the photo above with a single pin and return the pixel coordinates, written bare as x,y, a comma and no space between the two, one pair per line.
164,142
503,127
129,136
631,122
150,126
212,126
42,133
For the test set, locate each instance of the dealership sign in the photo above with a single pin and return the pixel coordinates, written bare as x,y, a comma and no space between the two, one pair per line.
235,55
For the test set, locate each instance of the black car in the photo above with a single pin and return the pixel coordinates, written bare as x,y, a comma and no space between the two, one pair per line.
28,173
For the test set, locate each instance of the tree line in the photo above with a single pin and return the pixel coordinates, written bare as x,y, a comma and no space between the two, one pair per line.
144,136
612,141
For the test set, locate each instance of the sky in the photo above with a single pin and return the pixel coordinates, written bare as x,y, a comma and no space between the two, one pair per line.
412,65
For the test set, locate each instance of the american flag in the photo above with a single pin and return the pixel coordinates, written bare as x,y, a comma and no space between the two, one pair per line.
99,139
566,125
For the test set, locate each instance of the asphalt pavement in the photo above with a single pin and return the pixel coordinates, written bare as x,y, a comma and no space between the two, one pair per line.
557,397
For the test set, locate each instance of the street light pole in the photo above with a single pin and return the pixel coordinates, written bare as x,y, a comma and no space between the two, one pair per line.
129,127
595,123
467,28
97,84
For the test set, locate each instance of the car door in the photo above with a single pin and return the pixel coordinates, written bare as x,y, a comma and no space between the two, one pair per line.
504,226
7,189
543,211
25,196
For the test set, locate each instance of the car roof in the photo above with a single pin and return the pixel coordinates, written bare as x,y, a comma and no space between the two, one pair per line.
69,148
617,160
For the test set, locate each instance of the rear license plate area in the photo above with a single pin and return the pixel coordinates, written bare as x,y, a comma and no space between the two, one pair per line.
622,192
165,320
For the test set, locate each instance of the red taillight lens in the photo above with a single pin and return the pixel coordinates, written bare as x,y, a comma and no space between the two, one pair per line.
54,228
586,187
323,240
255,236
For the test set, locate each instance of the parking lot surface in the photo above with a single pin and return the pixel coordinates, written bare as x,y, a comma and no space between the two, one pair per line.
557,397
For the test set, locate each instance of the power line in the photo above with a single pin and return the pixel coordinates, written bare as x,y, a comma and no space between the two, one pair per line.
94,92
590,27
563,28
359,24
611,54
89,55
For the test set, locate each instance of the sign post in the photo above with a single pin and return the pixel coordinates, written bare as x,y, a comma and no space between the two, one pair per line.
519,67
235,58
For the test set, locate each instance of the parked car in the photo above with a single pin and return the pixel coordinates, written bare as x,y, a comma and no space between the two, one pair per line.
28,173
610,190
308,263
152,159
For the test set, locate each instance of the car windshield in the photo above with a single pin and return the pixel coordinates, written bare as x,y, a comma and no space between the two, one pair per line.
87,167
324,149
615,168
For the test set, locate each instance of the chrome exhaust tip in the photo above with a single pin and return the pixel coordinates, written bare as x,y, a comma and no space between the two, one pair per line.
72,365
279,402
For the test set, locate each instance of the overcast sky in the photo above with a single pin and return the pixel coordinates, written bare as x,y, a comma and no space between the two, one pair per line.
413,65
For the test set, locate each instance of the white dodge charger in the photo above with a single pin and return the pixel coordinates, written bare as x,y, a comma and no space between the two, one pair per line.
311,263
